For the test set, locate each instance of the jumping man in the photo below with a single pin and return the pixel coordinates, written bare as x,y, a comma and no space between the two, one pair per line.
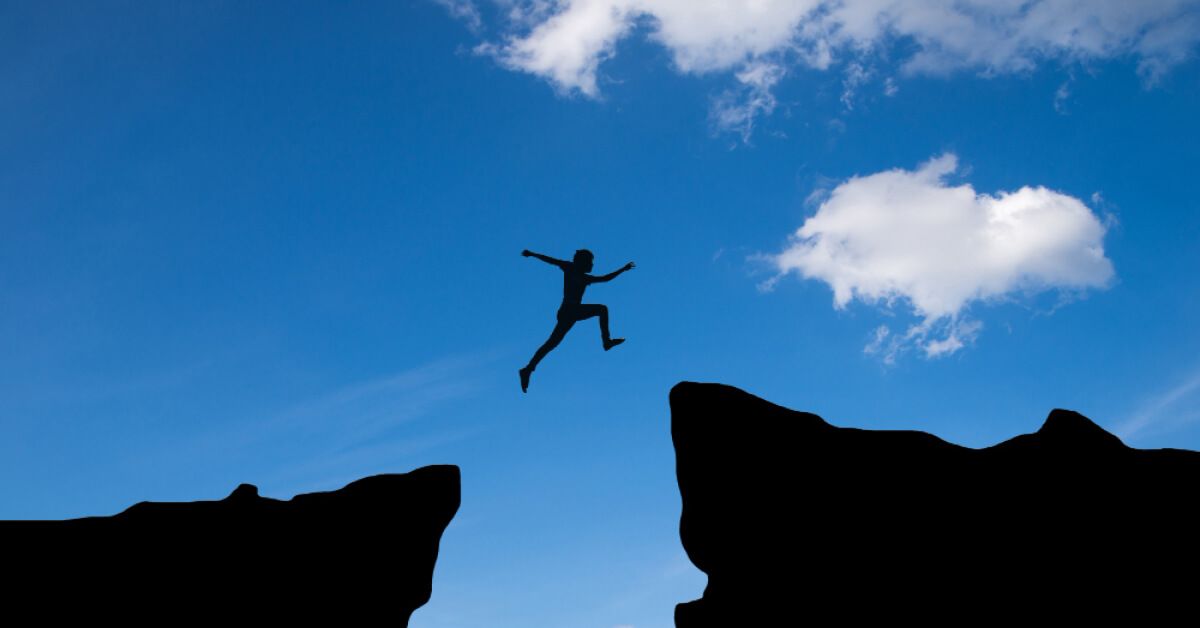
575,280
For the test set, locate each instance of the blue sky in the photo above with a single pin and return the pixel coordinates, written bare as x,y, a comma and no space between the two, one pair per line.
281,245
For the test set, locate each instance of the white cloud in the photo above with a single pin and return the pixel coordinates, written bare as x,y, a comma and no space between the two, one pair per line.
566,41
714,35
1014,35
568,46
909,237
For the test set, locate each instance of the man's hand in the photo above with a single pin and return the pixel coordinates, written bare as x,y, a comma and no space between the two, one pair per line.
526,253
628,266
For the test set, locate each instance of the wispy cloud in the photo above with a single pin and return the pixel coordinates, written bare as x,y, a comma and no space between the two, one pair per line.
736,110
465,11
1153,413
1062,96
368,425
661,575
356,411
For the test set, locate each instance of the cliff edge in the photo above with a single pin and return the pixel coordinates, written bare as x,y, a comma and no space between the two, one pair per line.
794,519
363,554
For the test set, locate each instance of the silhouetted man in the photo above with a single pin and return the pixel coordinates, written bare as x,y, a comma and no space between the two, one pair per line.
575,280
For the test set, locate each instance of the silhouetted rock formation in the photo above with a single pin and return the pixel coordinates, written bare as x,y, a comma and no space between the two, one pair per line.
796,521
363,554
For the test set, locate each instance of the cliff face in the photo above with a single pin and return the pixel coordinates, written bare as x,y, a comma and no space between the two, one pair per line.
361,554
794,519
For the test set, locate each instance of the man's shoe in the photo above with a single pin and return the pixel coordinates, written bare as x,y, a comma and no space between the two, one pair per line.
525,372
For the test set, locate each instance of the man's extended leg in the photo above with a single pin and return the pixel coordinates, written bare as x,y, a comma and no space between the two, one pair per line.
588,311
556,336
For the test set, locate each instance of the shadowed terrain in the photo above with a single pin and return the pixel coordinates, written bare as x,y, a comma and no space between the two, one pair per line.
794,519
363,554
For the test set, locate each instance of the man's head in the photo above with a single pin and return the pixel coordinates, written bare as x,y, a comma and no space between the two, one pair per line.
584,259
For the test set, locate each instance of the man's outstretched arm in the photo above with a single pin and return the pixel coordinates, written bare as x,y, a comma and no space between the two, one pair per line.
613,274
544,258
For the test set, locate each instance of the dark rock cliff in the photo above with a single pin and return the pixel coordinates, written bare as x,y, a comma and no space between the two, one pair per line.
363,554
796,521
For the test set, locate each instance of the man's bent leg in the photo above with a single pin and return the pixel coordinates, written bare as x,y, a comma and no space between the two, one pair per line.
588,311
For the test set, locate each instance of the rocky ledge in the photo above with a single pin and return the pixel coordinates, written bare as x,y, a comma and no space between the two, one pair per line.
796,521
363,554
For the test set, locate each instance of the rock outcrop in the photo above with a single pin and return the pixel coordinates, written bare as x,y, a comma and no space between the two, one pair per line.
796,521
363,554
